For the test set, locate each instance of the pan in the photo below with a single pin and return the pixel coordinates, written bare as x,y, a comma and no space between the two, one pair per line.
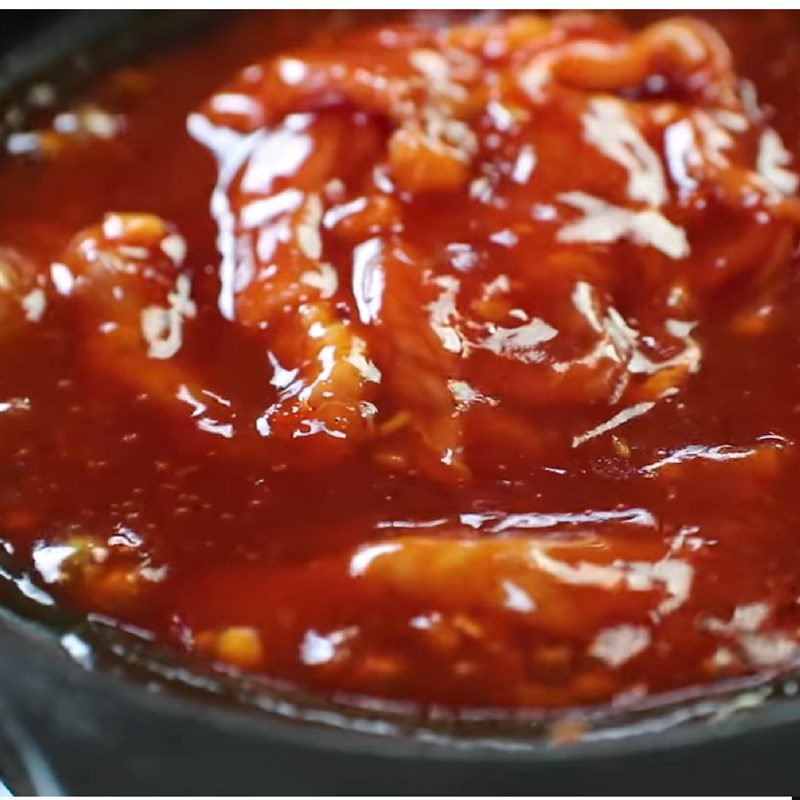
86,708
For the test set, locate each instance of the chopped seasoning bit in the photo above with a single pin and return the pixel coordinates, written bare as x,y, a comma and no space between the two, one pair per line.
292,71
466,395
773,158
162,328
335,190
750,617
308,228
317,649
34,304
174,247
325,278
745,619
769,649
722,659
617,645
524,165
358,359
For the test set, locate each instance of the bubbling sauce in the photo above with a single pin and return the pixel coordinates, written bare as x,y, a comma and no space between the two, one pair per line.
453,361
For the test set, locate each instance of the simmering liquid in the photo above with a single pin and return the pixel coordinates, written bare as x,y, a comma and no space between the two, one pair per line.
453,360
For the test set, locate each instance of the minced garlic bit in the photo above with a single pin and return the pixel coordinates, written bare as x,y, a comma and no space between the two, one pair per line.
691,143
617,645
445,134
357,358
292,71
501,116
162,328
517,599
722,658
750,617
335,188
434,66
535,76
325,278
466,395
308,228
317,648
34,304
715,140
769,649
761,648
675,575
505,238
746,618
605,223
61,277
174,248
737,123
524,165
481,189
773,158
443,315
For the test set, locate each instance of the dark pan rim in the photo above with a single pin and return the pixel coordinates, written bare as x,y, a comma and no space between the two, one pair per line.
157,679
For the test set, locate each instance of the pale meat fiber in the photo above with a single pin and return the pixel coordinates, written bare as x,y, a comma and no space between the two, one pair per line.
521,342
621,418
605,223
432,96
608,128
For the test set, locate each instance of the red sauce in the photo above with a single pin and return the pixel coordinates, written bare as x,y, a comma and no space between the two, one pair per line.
465,370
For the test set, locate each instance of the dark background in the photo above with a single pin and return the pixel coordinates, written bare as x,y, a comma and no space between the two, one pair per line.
15,25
